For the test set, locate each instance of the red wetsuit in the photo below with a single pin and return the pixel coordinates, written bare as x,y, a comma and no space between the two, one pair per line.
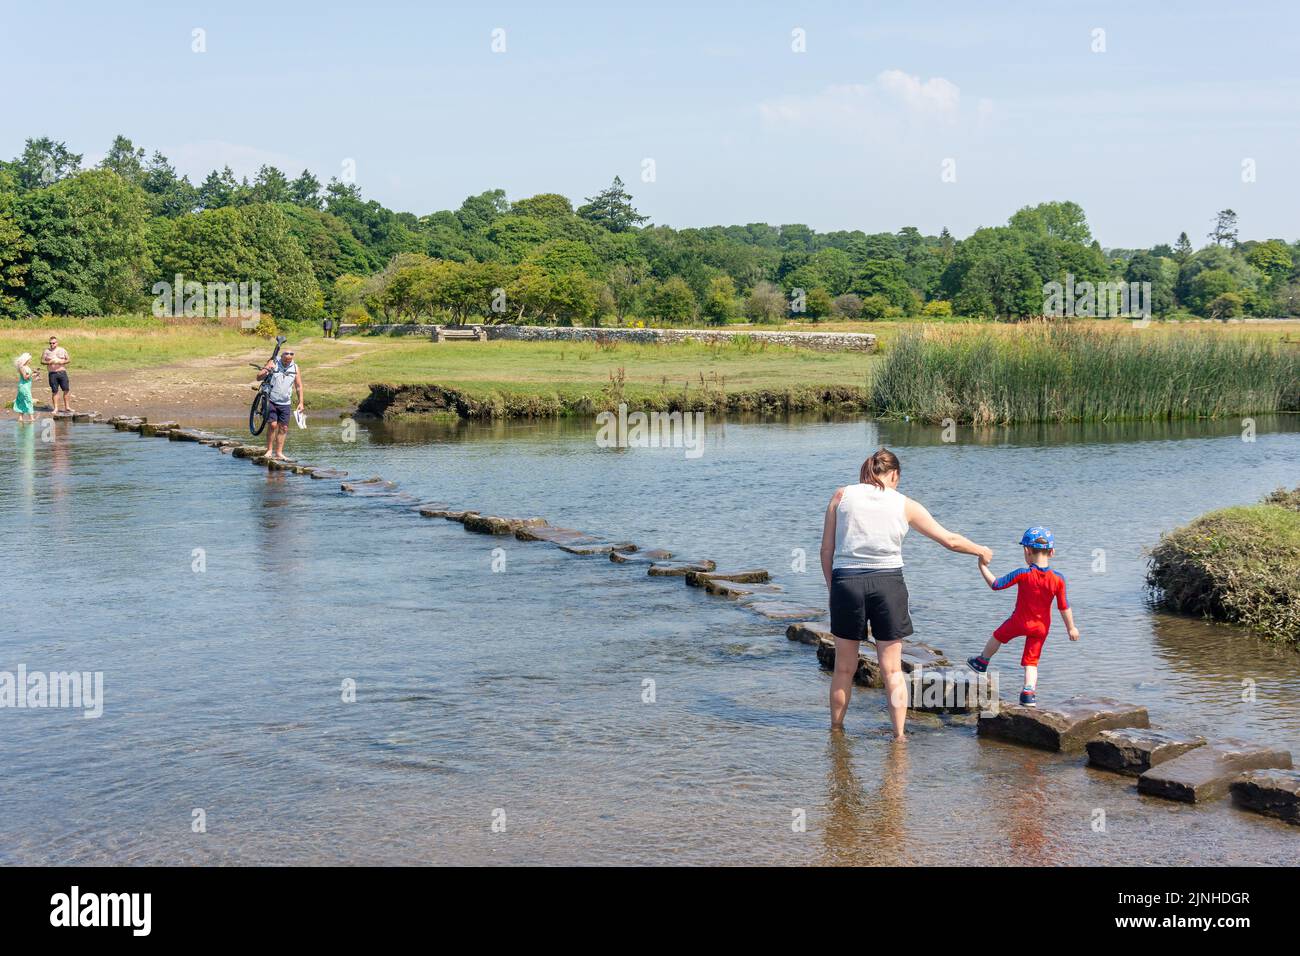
1036,587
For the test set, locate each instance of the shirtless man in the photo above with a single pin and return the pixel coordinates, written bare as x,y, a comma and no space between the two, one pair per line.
57,360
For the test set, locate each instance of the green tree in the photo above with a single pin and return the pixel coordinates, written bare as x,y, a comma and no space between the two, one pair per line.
1224,232
44,163
612,208
90,245
14,247
306,191
671,300
719,306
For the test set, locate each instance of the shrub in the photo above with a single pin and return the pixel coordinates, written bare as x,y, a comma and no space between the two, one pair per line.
265,328
356,315
937,309
875,307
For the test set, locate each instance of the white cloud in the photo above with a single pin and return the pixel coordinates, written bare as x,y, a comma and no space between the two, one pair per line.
893,99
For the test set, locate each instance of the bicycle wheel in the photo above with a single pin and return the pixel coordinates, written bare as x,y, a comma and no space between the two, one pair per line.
257,414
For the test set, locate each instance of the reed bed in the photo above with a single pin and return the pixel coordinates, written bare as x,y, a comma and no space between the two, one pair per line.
1074,373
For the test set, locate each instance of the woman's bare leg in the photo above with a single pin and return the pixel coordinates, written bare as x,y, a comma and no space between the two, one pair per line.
890,656
846,665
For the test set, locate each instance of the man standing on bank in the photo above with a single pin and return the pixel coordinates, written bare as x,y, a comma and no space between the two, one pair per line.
862,561
285,379
56,359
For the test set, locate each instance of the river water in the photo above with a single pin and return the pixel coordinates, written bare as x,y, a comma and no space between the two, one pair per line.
504,710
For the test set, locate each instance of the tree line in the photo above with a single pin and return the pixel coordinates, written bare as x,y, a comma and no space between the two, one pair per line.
94,241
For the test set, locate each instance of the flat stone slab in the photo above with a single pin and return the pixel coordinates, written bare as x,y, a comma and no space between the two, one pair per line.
327,474
191,434
1063,727
782,610
248,451
1206,772
951,690
1135,750
1275,793
678,569
157,429
697,579
648,556
369,486
730,589
128,424
493,524
599,547
555,535
868,672
809,632
85,416
917,655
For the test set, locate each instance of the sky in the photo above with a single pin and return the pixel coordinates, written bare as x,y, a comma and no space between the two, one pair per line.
866,116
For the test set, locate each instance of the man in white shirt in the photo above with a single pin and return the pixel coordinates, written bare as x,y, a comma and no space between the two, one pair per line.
285,379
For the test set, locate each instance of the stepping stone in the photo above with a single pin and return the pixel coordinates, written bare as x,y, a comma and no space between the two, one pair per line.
276,464
810,632
950,690
1135,750
248,451
157,429
730,589
492,524
458,516
868,673
649,556
678,569
85,416
1275,793
918,656
128,426
369,486
300,469
1206,772
326,474
1063,727
600,547
696,579
554,535
185,434
263,460
782,610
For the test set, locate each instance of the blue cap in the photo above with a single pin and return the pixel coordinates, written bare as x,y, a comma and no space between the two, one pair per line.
1040,539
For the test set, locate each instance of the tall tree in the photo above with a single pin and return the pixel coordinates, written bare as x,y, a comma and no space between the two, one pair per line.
44,162
1224,232
612,208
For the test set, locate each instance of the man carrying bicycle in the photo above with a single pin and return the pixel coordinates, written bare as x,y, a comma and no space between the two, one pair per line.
285,378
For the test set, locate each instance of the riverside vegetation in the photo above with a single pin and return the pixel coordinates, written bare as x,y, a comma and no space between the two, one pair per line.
1240,565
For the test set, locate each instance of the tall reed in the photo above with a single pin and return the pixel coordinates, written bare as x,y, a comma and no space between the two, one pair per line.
977,375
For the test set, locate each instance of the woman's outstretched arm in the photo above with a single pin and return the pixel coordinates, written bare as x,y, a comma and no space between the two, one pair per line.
922,521
828,536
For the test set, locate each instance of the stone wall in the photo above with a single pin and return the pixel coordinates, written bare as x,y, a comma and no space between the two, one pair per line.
818,341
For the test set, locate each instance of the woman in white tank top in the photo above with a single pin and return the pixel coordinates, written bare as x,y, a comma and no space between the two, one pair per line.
862,561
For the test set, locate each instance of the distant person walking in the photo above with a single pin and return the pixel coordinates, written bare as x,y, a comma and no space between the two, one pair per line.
862,561
56,359
328,326
23,400
285,379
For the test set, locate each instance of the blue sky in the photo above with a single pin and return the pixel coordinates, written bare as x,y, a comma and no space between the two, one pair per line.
1150,136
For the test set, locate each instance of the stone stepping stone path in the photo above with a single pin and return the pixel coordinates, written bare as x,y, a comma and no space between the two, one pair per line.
810,632
1207,772
1274,793
327,474
1065,727
678,569
951,690
697,579
492,524
157,429
554,535
1135,750
373,486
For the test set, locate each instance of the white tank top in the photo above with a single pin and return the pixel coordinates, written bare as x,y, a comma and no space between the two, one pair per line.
869,528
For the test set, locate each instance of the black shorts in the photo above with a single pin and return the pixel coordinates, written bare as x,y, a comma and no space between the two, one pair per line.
278,414
58,380
878,598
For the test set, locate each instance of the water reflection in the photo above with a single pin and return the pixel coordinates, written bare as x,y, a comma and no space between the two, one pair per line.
865,824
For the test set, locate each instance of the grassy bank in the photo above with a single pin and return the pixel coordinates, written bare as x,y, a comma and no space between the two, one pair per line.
1239,565
977,375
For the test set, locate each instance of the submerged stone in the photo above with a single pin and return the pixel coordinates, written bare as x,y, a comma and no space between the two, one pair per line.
1206,772
678,569
1135,750
649,556
782,610
369,486
328,474
1275,793
553,534
1066,726
599,547
697,579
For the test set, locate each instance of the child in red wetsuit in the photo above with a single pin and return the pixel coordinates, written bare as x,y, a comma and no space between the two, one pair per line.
1037,586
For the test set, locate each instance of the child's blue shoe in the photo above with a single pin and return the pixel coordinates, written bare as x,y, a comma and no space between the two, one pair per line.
978,664
1028,698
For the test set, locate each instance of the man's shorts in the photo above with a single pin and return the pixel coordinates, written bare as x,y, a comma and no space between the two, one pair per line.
59,380
877,598
278,414
1034,633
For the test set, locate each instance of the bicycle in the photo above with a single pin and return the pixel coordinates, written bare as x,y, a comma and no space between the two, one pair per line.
257,413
